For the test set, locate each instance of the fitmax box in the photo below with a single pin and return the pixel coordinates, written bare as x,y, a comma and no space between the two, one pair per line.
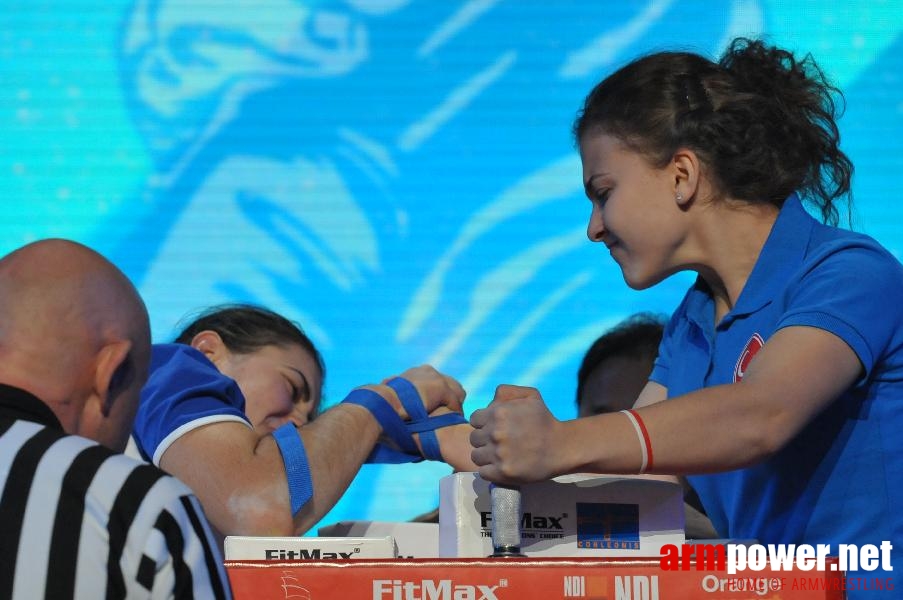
414,540
569,516
307,548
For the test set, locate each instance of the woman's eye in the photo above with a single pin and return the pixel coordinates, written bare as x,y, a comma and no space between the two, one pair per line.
293,390
601,196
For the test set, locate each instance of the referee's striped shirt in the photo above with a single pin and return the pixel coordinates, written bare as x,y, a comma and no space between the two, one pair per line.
78,520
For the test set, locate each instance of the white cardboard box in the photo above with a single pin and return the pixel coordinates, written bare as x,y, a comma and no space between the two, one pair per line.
414,540
307,548
574,515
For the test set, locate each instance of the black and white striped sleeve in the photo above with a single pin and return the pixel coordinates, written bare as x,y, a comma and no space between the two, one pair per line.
167,548
79,521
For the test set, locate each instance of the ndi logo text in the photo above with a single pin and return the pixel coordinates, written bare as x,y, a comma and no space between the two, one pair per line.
626,587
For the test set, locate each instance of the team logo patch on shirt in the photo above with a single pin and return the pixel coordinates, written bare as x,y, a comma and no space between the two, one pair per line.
754,344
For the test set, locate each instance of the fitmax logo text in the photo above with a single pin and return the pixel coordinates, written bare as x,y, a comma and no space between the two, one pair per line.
529,521
305,554
430,589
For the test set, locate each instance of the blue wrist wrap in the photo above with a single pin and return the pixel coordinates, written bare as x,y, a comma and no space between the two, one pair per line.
420,423
400,432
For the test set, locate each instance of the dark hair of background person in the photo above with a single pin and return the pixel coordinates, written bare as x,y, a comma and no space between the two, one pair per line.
761,120
245,328
637,337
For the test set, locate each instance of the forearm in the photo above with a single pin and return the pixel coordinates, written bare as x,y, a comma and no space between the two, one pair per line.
724,427
337,443
251,486
241,479
681,433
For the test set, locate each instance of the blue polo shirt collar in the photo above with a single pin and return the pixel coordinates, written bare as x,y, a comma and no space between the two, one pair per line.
782,253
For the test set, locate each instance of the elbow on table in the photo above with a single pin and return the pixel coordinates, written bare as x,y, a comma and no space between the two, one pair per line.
256,515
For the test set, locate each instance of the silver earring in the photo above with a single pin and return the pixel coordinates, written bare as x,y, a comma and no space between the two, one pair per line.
679,197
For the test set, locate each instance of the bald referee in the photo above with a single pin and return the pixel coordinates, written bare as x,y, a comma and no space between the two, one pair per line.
78,519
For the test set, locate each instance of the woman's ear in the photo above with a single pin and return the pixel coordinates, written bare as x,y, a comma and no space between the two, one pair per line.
210,344
686,169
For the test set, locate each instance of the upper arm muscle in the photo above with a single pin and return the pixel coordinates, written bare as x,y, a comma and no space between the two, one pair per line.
234,475
799,372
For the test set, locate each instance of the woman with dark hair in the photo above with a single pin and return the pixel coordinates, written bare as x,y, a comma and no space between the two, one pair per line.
244,330
780,375
228,408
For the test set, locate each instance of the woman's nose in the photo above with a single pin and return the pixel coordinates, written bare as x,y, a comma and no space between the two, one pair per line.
596,227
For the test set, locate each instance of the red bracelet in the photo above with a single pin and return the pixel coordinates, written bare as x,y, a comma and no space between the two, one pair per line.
643,435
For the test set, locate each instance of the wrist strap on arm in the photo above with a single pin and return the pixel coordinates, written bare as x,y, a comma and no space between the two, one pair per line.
401,433
393,427
297,469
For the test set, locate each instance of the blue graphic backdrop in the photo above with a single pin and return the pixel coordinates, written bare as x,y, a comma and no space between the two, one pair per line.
396,175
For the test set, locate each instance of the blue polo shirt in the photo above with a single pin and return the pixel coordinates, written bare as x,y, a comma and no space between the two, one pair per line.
184,391
840,480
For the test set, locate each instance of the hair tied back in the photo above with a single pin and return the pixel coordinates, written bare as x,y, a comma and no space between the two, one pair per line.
695,96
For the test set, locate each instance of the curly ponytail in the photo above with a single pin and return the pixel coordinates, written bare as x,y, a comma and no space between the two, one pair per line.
762,121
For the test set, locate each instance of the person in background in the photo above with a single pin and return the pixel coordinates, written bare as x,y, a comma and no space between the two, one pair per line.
227,409
77,518
617,365
612,374
779,377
